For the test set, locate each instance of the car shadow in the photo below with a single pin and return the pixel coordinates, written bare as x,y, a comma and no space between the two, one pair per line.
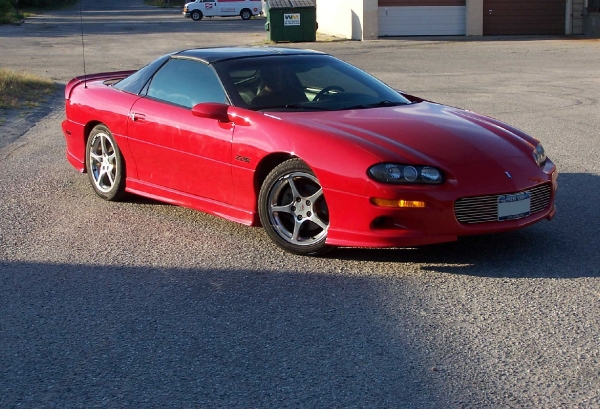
141,200
566,247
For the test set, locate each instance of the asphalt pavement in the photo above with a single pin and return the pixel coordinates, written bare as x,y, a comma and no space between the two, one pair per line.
145,305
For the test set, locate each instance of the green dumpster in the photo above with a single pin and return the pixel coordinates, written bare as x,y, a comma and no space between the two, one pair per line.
291,20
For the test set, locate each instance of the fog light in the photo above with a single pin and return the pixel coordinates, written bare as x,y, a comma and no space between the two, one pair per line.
397,203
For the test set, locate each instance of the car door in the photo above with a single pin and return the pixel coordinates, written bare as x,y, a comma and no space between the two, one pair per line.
209,8
173,148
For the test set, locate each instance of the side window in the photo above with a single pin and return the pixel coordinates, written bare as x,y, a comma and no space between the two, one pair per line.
187,83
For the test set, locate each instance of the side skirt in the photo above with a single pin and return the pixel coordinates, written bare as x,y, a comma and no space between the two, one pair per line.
202,204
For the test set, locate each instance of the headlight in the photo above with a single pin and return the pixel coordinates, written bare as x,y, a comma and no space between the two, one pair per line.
539,155
401,174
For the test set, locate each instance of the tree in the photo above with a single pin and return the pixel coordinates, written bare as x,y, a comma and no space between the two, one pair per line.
5,7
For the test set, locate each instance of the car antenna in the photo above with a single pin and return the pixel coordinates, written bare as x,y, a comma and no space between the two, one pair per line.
82,42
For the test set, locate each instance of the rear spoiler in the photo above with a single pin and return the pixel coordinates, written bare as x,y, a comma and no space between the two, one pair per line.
114,75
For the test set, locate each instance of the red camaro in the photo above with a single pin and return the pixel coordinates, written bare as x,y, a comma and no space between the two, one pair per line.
313,149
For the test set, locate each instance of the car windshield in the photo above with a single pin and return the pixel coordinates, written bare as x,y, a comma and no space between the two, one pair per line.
303,82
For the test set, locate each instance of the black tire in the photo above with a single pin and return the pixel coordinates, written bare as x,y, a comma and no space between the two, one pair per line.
104,164
293,210
245,14
196,15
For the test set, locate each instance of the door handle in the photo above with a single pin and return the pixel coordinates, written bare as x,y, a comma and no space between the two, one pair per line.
137,117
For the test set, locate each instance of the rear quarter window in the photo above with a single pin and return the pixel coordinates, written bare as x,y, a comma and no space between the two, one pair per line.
187,83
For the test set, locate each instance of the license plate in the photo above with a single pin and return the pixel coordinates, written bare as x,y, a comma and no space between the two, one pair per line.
511,207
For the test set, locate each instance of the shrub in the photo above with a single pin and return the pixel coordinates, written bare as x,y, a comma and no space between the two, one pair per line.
5,7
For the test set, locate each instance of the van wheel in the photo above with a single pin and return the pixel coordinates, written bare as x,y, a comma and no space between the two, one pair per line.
196,15
246,14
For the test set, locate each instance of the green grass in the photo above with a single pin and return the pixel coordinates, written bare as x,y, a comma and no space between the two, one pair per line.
23,90
12,17
163,3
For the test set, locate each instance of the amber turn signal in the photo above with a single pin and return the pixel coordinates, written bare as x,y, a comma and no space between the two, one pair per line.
397,203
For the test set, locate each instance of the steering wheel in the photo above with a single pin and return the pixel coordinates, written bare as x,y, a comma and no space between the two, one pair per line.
326,90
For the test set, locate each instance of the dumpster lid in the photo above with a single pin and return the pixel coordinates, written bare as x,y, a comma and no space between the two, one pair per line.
286,4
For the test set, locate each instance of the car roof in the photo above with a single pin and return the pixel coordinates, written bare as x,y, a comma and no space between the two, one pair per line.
211,55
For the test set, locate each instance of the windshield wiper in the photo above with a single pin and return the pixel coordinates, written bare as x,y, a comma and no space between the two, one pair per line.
384,103
309,107
293,106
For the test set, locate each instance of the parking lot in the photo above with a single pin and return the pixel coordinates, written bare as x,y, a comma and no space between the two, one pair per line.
142,304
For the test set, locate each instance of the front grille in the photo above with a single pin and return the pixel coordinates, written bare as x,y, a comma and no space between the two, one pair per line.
485,208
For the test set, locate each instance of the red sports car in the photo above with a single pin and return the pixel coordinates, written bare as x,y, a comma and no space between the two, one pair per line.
318,152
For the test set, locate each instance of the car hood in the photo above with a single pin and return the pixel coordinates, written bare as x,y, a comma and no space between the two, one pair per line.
422,133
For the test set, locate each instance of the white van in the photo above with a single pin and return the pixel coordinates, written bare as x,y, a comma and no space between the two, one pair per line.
222,8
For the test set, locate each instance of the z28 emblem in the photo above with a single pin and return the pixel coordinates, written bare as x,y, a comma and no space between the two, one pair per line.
242,158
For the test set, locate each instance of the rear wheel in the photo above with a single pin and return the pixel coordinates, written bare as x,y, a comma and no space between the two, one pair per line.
104,163
196,15
293,210
246,14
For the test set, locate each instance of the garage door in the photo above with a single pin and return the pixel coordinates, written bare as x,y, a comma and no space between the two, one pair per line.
501,17
422,17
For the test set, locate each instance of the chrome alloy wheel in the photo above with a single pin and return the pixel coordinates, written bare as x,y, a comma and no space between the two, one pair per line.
103,162
297,209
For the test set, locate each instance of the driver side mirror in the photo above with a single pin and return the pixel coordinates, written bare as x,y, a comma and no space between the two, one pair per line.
211,110
220,112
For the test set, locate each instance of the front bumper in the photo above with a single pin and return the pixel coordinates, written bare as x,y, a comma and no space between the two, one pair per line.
356,222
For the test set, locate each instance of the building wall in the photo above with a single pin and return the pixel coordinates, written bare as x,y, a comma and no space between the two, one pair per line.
371,19
361,19
474,17
352,19
340,18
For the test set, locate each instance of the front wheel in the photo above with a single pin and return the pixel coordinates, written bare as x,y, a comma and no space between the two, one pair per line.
293,210
105,165
196,15
246,14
